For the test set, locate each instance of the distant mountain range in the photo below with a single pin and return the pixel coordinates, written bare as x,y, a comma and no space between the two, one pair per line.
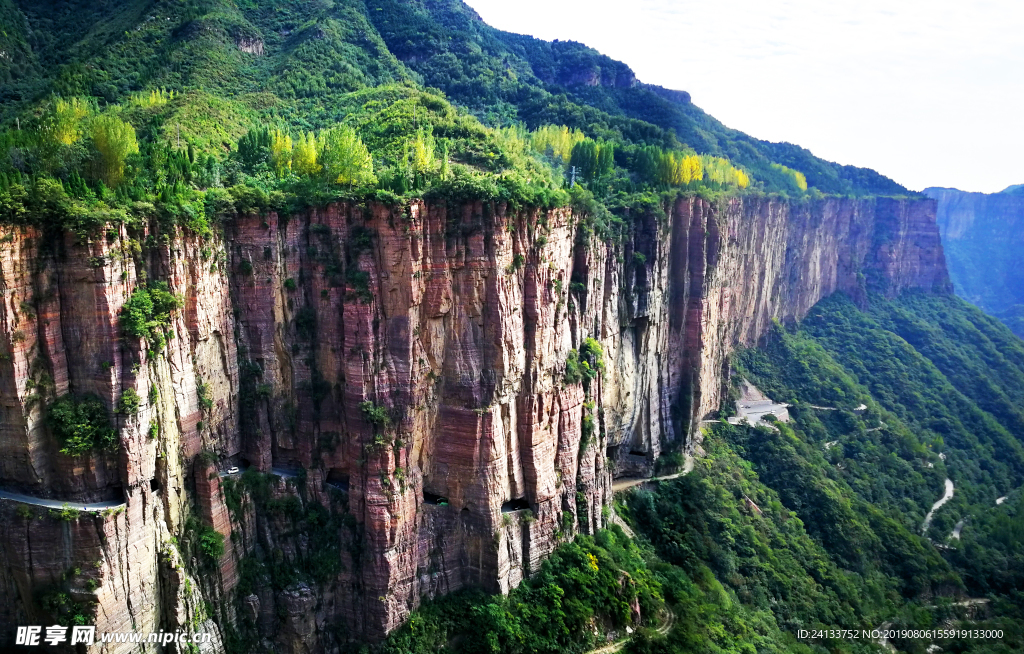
983,236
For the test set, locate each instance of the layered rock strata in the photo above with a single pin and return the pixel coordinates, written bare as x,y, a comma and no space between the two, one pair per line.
392,380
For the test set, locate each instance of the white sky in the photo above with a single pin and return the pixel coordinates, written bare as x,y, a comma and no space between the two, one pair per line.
930,93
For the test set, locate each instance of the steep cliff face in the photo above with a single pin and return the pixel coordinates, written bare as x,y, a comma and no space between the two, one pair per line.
60,308
402,371
984,236
755,261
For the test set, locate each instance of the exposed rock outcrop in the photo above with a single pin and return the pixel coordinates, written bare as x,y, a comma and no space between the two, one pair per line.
403,370
250,44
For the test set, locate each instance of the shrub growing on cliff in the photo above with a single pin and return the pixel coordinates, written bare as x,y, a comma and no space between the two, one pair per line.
375,415
587,426
66,512
211,542
66,611
583,366
359,285
203,394
148,312
129,402
81,425
572,368
592,354
305,323
135,313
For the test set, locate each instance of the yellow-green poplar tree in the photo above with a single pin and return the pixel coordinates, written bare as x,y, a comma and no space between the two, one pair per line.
344,157
114,140
281,152
422,151
66,120
556,141
304,155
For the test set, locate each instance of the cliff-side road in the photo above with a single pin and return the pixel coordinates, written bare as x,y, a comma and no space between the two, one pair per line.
622,484
59,504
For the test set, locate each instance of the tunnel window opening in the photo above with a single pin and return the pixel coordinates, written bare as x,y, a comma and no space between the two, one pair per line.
637,453
154,485
434,500
612,452
517,504
338,479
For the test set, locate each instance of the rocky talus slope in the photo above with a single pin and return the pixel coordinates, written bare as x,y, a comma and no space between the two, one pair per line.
404,368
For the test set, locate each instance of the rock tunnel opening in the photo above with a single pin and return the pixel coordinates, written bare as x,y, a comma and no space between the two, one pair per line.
517,504
435,500
338,479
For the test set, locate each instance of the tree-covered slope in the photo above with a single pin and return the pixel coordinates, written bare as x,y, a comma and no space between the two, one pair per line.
512,77
938,377
196,110
291,62
942,383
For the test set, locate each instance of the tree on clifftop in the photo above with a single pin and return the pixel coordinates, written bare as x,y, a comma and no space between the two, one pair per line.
344,158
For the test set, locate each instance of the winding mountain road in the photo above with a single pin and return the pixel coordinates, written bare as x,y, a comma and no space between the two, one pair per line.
956,530
947,496
663,628
619,485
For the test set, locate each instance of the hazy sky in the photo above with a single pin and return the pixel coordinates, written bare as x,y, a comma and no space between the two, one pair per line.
930,93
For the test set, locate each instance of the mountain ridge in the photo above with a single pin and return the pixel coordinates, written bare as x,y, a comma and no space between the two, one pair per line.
368,44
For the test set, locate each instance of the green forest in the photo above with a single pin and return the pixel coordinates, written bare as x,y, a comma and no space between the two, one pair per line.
191,111
815,523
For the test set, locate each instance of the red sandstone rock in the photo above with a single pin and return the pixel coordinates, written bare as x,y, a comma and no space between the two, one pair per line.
457,326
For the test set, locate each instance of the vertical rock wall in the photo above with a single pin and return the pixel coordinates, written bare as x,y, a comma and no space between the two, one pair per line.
61,299
740,266
983,236
401,371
